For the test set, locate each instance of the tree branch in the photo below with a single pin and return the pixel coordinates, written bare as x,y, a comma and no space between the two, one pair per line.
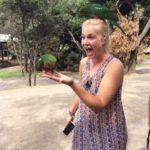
145,30
117,7
74,40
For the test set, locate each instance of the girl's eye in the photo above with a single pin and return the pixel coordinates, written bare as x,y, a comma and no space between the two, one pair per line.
90,37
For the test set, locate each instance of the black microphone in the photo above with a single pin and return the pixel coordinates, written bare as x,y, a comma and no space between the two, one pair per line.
88,84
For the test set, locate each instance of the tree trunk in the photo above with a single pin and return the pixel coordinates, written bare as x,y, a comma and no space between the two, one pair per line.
30,80
26,62
2,54
133,55
144,32
30,74
132,61
34,67
18,58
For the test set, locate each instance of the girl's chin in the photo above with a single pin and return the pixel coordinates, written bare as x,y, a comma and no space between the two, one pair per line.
90,55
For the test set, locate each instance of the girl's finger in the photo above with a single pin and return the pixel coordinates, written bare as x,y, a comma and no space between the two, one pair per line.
57,73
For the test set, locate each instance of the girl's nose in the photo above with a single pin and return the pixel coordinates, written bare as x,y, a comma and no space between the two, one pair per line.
85,41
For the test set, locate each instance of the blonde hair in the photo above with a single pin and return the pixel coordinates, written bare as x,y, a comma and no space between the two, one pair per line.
101,26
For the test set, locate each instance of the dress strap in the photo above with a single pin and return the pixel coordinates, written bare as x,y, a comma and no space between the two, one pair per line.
103,67
100,70
87,65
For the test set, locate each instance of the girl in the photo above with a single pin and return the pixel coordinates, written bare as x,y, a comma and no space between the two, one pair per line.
100,123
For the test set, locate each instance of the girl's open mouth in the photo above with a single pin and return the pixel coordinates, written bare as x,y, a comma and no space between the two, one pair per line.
89,51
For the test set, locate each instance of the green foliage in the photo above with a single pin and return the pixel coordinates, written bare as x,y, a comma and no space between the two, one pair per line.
69,59
144,8
44,25
140,10
72,61
147,56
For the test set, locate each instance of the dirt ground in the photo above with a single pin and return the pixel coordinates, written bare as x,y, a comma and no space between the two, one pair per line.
32,118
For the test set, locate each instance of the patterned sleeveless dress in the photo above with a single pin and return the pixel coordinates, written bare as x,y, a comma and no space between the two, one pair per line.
105,130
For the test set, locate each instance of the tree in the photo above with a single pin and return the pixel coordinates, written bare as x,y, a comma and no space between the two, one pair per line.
30,26
41,27
134,19
128,46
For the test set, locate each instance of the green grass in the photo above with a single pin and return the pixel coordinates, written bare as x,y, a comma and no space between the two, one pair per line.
10,74
13,74
147,56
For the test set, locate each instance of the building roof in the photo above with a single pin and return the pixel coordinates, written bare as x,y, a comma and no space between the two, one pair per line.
4,37
147,51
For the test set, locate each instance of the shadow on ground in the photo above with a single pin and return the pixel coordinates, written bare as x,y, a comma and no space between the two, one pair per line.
143,71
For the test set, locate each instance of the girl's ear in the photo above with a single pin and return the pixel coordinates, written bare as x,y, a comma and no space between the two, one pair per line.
104,38
103,41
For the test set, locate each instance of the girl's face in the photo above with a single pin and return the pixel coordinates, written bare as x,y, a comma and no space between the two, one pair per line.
91,40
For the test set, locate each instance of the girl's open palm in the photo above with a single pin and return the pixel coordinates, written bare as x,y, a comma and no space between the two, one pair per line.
58,77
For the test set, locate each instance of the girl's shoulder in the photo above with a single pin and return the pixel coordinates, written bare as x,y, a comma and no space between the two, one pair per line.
116,62
84,60
83,63
115,65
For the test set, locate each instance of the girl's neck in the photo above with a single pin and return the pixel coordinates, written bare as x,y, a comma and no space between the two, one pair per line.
96,63
99,59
